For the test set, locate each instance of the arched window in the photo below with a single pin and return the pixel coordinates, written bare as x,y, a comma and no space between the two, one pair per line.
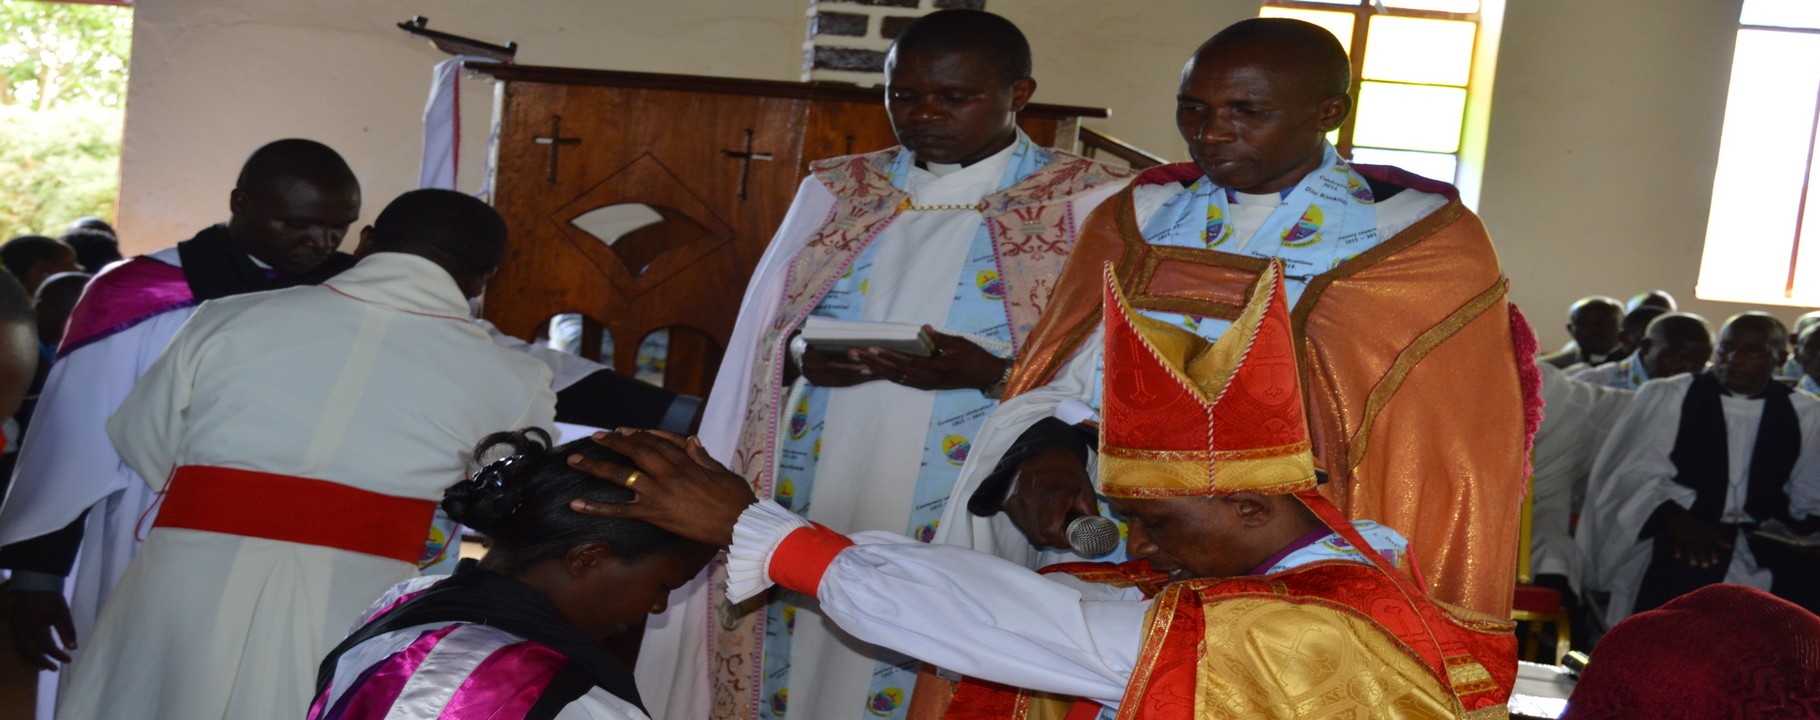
1766,198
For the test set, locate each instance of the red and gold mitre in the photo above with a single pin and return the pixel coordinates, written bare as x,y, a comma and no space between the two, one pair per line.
1182,416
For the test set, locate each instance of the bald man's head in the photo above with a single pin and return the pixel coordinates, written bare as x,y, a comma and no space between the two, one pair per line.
1807,352
1636,327
1752,346
292,204
1807,320
1652,298
1675,343
1301,49
1257,101
1595,323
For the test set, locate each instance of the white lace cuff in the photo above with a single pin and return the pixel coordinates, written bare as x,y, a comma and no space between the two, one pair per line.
761,527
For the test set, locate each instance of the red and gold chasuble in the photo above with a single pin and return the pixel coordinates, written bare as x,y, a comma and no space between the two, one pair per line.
1326,640
1329,639
1184,418
1032,229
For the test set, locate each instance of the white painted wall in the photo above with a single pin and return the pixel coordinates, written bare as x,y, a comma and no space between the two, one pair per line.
1604,137
1602,141
1126,56
214,79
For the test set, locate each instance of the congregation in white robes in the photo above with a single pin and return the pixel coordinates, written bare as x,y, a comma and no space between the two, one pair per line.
1634,475
1626,374
1576,417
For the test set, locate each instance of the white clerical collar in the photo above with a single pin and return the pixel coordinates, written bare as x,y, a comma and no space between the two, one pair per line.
943,169
988,170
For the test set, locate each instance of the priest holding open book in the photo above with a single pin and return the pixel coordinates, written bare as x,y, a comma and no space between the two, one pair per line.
871,344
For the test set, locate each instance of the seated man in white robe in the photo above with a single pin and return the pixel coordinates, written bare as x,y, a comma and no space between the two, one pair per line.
1807,356
1791,370
1675,343
1636,327
1576,418
300,438
1594,322
1652,298
1695,466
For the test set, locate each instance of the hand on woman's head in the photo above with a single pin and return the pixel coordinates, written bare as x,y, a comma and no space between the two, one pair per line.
679,488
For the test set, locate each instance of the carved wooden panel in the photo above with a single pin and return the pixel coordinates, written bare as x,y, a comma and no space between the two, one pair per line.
643,202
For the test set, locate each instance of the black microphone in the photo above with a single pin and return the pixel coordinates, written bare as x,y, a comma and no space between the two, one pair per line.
1092,535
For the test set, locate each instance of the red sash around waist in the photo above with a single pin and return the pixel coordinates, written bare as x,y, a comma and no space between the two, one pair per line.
293,509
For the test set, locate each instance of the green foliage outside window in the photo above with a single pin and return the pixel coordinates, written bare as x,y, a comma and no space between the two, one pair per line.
63,70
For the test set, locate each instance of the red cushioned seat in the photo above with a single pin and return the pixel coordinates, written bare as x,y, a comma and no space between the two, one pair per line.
1537,599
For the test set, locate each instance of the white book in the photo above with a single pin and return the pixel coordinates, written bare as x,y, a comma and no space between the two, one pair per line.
837,336
1775,531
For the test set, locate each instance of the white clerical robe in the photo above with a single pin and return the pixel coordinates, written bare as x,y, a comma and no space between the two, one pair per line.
875,431
67,465
1576,417
1626,374
376,380
1071,394
1634,475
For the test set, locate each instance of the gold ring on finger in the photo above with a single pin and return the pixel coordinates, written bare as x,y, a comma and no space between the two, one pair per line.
632,478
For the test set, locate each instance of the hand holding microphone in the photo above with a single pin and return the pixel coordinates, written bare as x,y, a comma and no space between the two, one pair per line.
1053,503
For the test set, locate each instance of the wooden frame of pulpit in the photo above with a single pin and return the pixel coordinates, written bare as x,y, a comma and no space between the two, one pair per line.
644,201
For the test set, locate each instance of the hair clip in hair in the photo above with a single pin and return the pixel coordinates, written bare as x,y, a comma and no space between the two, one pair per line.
493,476
495,485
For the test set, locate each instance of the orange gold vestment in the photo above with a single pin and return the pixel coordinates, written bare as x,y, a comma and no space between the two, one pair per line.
1408,364
1324,640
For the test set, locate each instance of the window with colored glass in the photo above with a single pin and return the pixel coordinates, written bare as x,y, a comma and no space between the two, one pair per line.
1412,77
1763,232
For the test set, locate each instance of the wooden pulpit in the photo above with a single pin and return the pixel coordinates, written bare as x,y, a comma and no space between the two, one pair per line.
644,201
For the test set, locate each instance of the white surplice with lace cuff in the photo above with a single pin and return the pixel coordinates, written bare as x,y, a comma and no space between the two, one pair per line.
964,611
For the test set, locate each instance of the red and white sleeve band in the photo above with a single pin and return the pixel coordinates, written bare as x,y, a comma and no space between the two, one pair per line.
803,557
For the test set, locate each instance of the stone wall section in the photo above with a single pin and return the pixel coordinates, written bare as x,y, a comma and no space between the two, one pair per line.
847,39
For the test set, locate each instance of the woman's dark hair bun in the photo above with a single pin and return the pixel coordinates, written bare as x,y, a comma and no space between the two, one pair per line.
492,494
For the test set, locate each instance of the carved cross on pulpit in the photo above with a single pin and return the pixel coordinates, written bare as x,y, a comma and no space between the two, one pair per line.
556,141
746,156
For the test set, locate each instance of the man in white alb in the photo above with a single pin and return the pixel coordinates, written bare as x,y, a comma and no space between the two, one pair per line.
962,229
300,438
